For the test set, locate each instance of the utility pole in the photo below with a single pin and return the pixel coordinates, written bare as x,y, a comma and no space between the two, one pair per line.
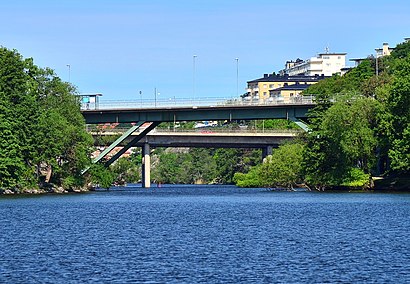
69,73
237,76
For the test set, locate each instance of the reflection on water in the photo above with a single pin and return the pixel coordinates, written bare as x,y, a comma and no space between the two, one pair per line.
212,234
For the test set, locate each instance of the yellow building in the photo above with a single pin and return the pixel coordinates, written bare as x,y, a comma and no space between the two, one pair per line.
288,94
260,89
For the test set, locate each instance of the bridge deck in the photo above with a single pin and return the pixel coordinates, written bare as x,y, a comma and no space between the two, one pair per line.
169,114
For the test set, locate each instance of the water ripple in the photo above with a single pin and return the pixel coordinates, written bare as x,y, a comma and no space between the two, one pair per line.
205,235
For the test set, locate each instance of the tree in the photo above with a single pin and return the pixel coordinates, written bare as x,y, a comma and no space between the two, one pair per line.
284,167
41,126
127,169
398,105
281,169
344,139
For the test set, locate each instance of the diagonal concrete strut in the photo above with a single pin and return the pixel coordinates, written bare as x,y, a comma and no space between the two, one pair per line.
299,123
118,141
130,144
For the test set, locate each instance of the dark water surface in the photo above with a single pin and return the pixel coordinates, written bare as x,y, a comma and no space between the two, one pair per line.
205,234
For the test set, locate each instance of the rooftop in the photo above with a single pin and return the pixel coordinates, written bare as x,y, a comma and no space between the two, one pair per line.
286,78
333,53
294,87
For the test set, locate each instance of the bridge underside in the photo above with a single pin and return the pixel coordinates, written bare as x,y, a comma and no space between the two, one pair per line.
207,141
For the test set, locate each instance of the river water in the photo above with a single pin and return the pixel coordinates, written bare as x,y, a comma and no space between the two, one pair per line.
205,234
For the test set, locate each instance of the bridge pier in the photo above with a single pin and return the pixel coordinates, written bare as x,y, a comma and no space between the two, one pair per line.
267,151
146,166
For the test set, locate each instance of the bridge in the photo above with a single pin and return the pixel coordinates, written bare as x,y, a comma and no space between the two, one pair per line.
146,119
206,138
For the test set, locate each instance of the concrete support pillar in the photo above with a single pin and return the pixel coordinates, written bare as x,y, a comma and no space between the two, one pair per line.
146,166
267,151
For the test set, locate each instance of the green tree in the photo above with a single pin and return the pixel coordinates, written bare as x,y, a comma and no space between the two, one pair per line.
127,169
398,106
344,139
249,179
284,167
168,168
101,176
41,126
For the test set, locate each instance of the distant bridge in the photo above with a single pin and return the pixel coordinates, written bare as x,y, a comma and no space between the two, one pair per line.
146,119
208,138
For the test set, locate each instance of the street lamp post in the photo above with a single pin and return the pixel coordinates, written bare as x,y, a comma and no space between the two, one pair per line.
141,98
237,76
377,62
69,73
193,78
155,95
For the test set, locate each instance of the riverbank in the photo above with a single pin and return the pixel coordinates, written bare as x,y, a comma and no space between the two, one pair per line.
46,190
396,183
390,184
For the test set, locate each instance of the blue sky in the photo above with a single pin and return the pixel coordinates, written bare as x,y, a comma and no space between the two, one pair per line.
119,48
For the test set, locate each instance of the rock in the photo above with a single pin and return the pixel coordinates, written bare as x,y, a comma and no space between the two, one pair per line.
57,189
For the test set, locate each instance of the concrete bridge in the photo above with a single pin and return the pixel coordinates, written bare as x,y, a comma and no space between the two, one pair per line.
146,119
207,138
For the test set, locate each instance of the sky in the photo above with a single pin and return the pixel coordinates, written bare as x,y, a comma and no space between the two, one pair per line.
127,49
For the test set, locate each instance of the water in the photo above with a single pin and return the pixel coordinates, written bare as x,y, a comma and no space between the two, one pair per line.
205,234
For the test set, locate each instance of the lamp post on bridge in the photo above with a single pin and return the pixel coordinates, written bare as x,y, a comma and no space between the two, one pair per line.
193,78
155,95
141,98
237,76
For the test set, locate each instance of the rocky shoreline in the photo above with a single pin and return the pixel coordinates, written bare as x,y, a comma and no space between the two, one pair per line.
390,184
45,190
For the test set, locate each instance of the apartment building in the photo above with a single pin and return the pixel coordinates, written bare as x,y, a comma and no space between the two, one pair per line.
289,93
325,64
270,84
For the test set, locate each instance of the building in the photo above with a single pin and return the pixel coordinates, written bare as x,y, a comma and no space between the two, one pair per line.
385,50
325,64
288,94
260,89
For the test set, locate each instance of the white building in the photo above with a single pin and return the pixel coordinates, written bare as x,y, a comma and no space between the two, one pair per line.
325,64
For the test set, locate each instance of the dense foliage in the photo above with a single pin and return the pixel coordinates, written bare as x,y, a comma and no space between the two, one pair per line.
43,138
202,165
360,128
281,169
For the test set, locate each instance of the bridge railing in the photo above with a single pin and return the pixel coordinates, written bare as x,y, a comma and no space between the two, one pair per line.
119,130
197,102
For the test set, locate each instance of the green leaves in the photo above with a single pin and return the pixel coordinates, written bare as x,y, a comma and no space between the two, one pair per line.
40,126
344,139
202,165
